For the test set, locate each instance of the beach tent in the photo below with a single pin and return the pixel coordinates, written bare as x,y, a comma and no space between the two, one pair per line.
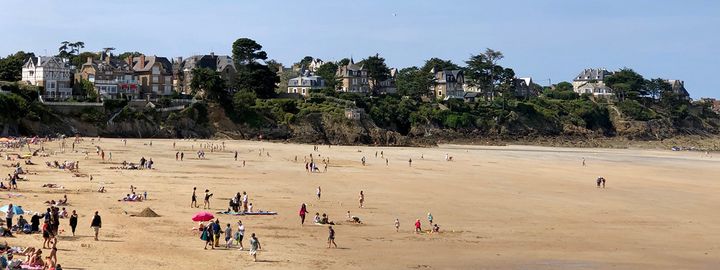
17,209
203,216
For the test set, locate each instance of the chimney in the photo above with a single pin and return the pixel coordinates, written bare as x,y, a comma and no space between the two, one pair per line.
212,53
129,61
142,61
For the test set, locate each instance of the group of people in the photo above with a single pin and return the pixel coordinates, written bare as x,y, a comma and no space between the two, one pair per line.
210,234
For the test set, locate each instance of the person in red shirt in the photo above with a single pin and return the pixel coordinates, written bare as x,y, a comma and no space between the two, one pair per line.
417,226
303,211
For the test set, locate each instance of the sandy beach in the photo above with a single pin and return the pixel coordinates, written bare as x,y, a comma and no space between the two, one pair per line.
514,207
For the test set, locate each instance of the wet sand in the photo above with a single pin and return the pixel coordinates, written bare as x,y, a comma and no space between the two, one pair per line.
515,207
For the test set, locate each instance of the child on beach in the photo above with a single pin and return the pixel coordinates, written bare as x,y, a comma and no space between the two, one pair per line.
331,237
397,225
228,236
417,226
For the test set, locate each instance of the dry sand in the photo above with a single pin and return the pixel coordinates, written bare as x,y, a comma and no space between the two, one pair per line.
498,207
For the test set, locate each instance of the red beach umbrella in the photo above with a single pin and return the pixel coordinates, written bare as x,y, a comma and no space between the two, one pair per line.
203,216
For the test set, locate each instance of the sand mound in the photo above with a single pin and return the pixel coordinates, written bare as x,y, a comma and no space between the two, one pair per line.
147,212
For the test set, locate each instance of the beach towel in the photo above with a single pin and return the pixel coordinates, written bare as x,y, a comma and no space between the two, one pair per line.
260,213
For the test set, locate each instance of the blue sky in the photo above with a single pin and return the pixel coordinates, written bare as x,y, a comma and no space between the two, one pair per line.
552,39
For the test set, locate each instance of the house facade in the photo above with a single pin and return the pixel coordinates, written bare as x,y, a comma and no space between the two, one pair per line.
524,87
448,84
154,75
51,73
678,87
111,78
304,83
183,73
591,81
353,78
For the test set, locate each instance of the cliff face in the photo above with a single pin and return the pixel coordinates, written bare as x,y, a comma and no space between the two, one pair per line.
324,128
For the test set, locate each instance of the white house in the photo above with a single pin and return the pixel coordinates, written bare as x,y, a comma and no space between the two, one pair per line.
51,73
591,81
304,83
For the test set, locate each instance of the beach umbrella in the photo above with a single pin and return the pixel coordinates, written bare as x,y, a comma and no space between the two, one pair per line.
16,208
203,216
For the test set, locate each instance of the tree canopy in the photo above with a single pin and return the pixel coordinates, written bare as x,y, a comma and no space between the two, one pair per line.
11,66
438,64
327,71
378,71
246,51
413,82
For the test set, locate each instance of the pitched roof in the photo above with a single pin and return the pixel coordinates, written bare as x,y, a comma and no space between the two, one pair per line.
590,74
150,61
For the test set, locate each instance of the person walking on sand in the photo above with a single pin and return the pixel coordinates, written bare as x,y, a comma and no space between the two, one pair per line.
430,218
96,224
254,246
410,162
240,234
583,162
182,156
418,226
236,155
193,200
303,212
206,202
73,222
318,191
331,237
207,235
603,182
599,181
361,199
397,225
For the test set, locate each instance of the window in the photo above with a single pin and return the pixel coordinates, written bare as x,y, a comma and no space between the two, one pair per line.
155,88
155,79
303,91
155,70
52,85
440,93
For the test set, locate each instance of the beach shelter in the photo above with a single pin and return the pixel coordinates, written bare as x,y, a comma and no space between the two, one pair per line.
203,216
17,209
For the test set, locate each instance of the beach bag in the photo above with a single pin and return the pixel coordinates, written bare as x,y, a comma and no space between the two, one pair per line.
204,236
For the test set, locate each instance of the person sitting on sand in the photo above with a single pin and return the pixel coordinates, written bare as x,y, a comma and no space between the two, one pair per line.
2,185
35,259
316,219
101,189
436,228
353,219
50,202
63,213
326,220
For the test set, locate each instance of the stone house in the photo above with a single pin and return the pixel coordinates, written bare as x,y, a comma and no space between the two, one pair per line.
353,78
154,75
448,84
111,78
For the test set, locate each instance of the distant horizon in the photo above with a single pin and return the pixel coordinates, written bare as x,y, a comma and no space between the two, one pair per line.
550,41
